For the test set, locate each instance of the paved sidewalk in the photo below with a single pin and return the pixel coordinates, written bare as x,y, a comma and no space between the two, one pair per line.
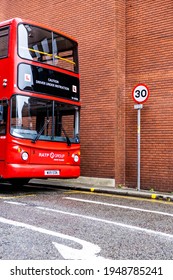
108,189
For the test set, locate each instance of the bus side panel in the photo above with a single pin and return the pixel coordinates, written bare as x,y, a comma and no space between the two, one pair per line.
2,147
2,154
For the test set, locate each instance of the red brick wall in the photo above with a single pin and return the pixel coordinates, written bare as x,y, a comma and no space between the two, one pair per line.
119,91
149,53
100,30
99,26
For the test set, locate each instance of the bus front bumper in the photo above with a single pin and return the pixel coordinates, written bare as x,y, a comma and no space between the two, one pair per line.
40,171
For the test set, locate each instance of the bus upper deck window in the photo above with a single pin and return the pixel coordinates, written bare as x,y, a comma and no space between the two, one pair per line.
45,46
4,34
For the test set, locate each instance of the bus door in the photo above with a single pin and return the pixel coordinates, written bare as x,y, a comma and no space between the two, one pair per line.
3,128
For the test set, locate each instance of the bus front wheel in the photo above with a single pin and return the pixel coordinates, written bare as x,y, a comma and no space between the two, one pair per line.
18,182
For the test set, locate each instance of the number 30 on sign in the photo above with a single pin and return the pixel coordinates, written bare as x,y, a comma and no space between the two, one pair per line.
140,93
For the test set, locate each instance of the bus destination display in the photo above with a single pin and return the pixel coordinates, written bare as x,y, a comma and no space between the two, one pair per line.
41,80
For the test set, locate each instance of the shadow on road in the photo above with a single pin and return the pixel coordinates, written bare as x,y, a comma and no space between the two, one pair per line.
8,189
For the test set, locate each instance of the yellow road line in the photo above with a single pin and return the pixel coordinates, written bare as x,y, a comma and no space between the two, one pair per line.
16,196
152,200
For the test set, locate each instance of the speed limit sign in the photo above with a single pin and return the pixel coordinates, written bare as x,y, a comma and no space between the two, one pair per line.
140,93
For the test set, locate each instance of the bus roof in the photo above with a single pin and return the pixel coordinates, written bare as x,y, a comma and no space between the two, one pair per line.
19,20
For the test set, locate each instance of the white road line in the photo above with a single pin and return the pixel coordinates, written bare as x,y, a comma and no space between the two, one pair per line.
15,203
119,206
148,231
88,251
130,227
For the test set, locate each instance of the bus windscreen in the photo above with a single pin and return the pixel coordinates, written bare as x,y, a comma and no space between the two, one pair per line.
41,119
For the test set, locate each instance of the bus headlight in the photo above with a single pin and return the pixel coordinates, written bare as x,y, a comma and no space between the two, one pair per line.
25,156
76,158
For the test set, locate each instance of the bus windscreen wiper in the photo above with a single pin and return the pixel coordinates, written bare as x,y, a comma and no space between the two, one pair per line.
66,136
65,133
40,132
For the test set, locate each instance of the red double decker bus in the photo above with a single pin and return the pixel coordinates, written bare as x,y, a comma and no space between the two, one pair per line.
39,103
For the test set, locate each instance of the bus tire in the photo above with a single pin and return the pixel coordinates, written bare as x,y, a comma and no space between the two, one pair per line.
18,182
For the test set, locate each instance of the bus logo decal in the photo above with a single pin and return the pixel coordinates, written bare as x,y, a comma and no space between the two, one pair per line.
74,88
52,155
43,155
27,78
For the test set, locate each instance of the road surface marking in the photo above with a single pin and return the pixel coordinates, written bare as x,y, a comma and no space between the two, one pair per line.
88,251
130,227
120,196
15,203
119,206
16,196
148,231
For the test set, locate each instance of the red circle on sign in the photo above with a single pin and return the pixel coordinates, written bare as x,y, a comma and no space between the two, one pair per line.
140,93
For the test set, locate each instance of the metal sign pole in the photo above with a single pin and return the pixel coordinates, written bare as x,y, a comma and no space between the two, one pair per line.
139,148
138,107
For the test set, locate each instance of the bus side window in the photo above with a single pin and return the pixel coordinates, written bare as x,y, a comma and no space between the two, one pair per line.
4,42
3,118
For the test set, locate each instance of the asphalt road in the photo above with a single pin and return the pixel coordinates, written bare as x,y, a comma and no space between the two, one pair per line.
44,222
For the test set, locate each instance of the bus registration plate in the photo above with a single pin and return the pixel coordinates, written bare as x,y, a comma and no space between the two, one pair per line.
51,172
